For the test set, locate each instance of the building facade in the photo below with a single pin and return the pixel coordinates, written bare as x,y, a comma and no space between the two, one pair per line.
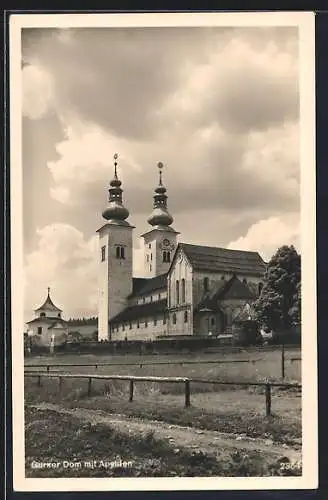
186,289
48,325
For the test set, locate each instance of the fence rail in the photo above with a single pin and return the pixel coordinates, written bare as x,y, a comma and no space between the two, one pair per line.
186,381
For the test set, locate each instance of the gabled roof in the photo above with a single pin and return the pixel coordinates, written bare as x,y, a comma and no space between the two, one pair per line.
140,311
203,258
236,289
48,304
226,289
143,286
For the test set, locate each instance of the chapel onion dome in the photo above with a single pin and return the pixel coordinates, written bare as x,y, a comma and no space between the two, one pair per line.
160,216
115,210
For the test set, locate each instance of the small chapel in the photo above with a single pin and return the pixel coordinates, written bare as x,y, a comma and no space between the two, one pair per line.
48,323
186,289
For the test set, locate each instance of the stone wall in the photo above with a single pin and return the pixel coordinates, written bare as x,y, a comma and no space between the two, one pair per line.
140,330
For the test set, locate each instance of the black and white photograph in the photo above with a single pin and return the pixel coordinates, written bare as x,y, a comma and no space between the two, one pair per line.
163,251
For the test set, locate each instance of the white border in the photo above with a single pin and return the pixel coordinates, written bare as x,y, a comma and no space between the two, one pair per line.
305,22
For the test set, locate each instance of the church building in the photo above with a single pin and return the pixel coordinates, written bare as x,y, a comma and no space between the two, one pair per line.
186,289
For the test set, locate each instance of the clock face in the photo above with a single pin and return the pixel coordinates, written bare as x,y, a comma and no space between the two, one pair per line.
166,242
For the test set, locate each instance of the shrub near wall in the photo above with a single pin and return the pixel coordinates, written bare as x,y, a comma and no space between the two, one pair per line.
286,337
246,333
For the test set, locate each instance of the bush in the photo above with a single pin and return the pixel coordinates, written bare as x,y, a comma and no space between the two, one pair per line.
246,333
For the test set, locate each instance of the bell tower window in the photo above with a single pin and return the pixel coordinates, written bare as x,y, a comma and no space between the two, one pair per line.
42,315
166,256
120,252
206,286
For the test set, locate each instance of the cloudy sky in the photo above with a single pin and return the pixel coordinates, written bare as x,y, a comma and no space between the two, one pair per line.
218,106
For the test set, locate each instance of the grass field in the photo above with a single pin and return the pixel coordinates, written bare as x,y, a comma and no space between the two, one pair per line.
215,407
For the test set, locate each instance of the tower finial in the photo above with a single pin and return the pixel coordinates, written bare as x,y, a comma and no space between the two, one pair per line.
160,215
115,210
160,167
115,165
48,290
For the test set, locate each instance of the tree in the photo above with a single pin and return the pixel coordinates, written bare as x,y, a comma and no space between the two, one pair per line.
279,305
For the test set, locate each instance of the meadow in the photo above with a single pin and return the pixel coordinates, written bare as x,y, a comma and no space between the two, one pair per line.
232,409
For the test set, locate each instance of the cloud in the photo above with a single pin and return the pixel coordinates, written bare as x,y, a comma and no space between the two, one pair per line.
38,91
133,82
174,95
67,262
260,172
267,235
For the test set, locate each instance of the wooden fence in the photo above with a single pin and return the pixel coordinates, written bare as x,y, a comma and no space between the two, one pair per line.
186,381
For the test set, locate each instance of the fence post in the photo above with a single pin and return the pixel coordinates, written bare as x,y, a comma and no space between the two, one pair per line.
187,393
131,391
282,361
89,386
268,400
48,368
39,381
60,382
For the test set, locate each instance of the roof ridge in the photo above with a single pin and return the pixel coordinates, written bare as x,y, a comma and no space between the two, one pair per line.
219,248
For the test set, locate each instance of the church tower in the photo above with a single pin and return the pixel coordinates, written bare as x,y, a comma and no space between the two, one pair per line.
115,258
161,240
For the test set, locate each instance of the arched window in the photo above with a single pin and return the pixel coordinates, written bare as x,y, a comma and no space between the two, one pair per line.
58,315
39,330
174,318
177,297
183,291
186,316
213,321
120,252
42,315
260,288
166,256
206,287
164,319
146,323
155,321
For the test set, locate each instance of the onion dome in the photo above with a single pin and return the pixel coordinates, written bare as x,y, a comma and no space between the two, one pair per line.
160,216
115,210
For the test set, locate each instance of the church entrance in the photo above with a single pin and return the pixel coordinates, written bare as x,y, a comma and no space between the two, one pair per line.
209,323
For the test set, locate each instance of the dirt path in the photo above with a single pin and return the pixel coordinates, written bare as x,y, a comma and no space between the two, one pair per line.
178,436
